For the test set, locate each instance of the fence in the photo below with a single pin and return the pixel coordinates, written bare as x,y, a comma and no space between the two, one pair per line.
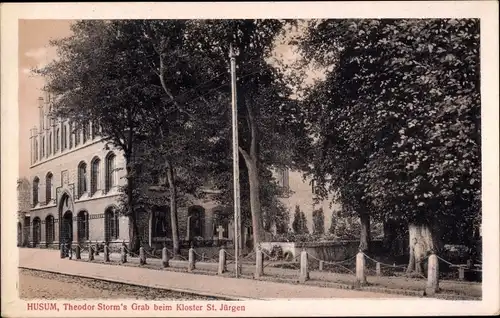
303,263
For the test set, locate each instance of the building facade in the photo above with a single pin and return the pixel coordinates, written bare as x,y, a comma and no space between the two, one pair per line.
75,178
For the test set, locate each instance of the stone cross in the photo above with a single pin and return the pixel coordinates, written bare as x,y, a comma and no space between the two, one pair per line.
220,231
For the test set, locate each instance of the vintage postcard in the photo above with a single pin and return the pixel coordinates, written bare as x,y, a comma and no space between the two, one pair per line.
250,159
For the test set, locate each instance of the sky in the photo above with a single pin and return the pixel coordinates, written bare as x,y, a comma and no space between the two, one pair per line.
34,50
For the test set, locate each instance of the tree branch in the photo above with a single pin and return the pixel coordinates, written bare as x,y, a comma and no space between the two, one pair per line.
168,92
246,156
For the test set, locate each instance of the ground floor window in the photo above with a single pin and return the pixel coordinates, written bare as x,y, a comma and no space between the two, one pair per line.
49,229
83,226
161,225
111,224
37,233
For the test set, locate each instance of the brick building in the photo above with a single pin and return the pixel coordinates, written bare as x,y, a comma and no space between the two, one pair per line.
74,180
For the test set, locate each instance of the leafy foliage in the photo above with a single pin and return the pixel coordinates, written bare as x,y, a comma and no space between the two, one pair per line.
299,224
397,119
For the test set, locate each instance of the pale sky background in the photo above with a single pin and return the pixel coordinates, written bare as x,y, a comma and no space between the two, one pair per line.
34,50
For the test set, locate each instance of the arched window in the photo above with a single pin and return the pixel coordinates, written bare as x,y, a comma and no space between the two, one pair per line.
50,144
64,138
48,188
161,222
56,142
111,224
82,178
94,177
83,226
37,233
196,217
36,182
110,172
49,229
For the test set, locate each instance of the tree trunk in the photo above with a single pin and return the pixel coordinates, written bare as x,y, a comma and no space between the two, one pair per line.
257,223
134,239
365,237
133,232
421,242
173,209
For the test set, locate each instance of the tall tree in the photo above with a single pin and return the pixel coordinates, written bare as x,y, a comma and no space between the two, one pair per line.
270,123
403,105
126,85
92,81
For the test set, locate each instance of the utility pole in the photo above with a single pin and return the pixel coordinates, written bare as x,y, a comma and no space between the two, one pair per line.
236,167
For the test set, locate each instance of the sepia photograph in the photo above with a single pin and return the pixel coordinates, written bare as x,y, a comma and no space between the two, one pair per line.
197,166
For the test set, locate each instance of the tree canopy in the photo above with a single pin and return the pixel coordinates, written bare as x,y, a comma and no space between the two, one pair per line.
397,119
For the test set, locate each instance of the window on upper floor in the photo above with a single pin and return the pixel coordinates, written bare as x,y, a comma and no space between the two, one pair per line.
50,144
313,187
110,181
43,147
56,142
94,175
64,138
86,132
82,179
36,183
282,179
36,151
48,188
77,136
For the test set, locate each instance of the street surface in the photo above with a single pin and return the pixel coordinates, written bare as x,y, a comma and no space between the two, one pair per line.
37,284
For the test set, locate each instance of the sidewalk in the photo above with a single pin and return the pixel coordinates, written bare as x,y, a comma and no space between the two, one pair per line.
227,287
317,278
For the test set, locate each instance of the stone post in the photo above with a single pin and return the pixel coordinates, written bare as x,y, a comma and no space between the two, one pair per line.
222,261
378,269
106,253
142,256
62,253
91,252
432,286
259,263
191,260
360,269
321,265
470,263
461,273
164,257
123,255
78,252
304,270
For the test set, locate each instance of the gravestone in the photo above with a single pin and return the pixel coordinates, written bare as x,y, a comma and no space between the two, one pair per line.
220,232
